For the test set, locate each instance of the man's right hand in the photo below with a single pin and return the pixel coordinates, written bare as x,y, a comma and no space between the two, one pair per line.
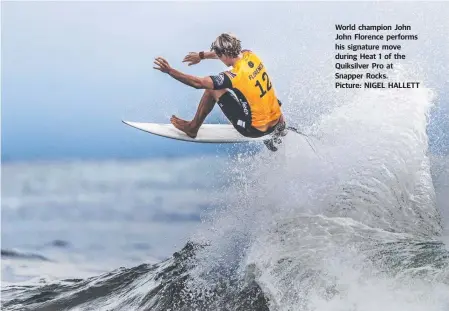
192,58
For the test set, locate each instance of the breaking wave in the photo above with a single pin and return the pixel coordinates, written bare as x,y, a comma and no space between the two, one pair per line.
354,226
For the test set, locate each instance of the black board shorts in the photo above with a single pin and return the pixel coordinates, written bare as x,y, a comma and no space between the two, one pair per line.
239,114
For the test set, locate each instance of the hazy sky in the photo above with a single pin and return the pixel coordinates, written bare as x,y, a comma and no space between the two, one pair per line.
72,70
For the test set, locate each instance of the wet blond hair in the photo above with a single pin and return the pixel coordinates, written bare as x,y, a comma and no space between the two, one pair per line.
227,44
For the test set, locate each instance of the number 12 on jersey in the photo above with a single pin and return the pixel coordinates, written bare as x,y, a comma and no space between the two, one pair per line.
265,79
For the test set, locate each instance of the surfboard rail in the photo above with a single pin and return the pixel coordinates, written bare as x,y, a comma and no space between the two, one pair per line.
208,133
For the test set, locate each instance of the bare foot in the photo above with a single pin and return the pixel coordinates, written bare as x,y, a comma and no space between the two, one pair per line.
184,126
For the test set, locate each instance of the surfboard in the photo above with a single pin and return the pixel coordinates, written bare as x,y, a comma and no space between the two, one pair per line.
214,133
208,133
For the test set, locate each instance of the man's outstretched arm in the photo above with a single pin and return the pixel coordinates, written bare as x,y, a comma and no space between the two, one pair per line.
193,81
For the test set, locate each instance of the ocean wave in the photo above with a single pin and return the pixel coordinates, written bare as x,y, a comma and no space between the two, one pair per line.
355,226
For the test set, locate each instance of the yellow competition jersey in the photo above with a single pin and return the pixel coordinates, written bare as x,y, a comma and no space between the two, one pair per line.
252,84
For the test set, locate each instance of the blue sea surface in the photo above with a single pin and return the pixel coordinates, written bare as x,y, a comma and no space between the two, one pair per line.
74,218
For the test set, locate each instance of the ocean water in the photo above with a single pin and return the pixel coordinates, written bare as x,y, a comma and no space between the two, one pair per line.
81,218
359,225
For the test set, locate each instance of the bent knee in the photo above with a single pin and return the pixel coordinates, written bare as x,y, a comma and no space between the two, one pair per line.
216,94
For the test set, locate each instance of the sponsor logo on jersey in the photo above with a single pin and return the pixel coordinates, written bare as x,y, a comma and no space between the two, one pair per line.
256,72
250,64
220,79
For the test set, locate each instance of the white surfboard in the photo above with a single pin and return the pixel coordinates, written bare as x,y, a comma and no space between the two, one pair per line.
208,133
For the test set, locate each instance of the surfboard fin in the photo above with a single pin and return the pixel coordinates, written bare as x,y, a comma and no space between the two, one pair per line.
269,143
280,131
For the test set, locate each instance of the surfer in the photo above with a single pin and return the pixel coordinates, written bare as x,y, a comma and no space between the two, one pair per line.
244,93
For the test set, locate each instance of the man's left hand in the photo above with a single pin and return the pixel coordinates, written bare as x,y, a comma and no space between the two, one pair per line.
192,58
162,64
